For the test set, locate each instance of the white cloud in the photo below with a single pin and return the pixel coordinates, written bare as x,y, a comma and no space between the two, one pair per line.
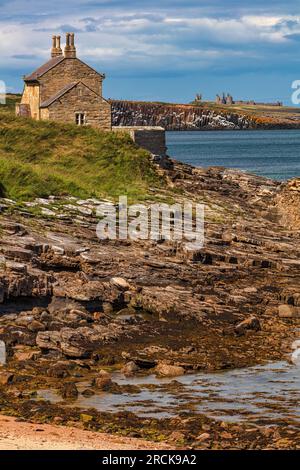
245,29
122,39
261,21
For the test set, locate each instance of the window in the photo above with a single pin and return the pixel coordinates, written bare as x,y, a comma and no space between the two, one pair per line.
80,119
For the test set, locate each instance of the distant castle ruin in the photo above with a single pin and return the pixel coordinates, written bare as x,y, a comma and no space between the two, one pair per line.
228,100
225,99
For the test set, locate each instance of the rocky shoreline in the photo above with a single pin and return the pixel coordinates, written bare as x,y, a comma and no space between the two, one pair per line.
74,309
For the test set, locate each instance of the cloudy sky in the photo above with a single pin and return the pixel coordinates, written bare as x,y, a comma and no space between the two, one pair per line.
165,50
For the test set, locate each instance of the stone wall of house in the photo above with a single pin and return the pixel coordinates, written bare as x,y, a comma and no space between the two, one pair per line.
44,114
152,139
81,99
31,97
23,110
66,72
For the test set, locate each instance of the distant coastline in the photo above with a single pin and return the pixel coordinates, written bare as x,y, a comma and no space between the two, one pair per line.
204,116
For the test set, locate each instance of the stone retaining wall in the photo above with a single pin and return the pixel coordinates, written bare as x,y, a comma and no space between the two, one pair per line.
152,139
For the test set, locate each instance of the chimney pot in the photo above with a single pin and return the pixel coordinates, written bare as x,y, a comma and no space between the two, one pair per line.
70,50
68,39
56,49
53,50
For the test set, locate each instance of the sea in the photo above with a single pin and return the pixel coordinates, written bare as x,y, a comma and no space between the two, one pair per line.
270,153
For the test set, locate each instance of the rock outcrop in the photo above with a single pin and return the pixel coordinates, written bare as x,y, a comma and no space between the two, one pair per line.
72,305
77,297
176,117
183,117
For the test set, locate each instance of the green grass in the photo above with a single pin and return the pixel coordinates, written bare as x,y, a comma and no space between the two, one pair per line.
38,159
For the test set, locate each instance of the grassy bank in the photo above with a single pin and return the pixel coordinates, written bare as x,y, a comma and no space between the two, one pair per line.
38,159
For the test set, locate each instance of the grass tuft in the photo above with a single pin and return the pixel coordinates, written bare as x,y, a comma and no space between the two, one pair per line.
39,159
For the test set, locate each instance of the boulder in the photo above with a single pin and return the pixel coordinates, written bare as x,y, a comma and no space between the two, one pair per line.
29,355
48,340
68,341
251,323
24,320
6,378
69,390
120,282
130,369
73,342
59,370
103,381
77,342
18,253
36,326
21,336
38,310
167,370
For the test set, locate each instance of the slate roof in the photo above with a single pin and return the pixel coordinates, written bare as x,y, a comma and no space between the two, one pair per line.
43,69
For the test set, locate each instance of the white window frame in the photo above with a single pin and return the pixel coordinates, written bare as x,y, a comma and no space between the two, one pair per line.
80,119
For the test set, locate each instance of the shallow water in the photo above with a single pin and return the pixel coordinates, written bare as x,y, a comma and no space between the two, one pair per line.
264,394
273,154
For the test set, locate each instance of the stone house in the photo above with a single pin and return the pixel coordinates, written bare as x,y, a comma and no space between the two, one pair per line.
65,89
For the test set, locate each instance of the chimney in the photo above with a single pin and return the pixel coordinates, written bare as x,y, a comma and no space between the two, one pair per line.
53,50
70,49
56,49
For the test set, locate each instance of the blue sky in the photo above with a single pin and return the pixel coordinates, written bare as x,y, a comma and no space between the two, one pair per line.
165,50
